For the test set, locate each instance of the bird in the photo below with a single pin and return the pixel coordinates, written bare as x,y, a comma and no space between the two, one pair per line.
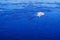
39,14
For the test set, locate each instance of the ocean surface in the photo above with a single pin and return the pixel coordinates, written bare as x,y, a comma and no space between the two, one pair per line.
23,24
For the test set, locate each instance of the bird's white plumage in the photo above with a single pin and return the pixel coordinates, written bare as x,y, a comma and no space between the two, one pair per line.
39,14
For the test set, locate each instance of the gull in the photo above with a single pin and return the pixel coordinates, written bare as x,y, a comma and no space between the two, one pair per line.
39,14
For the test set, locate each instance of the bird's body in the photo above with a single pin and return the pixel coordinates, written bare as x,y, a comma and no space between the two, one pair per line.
39,14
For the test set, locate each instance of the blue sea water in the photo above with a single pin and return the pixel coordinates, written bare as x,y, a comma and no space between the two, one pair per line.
23,24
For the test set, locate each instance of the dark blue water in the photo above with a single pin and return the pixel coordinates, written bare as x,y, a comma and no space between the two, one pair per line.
23,24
